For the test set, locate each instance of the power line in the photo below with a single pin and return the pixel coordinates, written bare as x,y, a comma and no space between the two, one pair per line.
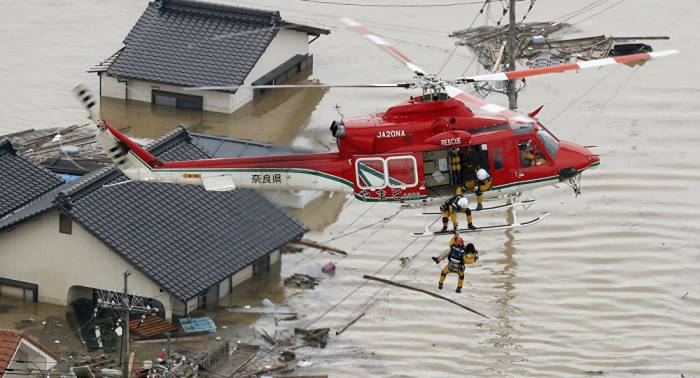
589,7
327,2
597,13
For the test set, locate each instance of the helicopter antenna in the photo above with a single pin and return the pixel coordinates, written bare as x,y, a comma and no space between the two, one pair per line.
338,110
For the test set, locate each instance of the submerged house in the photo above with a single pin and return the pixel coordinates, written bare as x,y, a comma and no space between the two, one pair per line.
185,247
178,44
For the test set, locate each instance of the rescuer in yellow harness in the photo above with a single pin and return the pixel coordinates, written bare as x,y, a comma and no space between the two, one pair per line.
454,206
458,257
483,183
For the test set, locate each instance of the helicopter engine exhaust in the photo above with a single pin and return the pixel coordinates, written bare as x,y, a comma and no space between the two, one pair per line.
338,129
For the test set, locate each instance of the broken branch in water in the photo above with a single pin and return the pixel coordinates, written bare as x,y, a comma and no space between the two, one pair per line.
319,246
355,319
388,282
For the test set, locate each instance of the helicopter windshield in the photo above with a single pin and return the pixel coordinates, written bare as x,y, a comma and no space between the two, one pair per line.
549,142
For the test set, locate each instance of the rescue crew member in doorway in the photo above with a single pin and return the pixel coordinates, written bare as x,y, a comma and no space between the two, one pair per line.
468,173
458,257
483,183
454,206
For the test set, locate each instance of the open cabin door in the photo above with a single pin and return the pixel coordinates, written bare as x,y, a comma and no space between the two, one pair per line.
387,177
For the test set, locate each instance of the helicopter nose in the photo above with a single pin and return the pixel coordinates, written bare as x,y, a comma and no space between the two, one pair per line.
578,157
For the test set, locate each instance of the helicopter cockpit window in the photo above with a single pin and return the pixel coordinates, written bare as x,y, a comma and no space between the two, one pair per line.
530,155
521,128
549,142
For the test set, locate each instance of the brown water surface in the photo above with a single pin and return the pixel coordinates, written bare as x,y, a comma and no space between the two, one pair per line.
608,283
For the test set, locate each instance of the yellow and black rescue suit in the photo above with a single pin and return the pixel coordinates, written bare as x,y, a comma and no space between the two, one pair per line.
457,259
450,209
480,188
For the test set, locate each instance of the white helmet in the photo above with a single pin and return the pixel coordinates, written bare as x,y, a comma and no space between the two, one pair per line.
463,202
482,175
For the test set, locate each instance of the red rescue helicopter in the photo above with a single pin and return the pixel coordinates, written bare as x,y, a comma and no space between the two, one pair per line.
403,154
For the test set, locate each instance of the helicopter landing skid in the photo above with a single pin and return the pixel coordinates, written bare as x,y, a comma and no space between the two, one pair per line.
495,227
525,204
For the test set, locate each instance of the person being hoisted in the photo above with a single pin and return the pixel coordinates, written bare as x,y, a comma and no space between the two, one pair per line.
458,257
454,206
483,183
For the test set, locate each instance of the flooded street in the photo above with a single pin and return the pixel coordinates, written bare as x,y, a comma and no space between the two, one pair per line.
608,284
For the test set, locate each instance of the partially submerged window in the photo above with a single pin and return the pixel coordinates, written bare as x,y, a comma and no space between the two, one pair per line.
261,265
177,100
549,142
65,224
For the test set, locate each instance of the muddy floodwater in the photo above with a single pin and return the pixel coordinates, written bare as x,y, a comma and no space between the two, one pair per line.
608,285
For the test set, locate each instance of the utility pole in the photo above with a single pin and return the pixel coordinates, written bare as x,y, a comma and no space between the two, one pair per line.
512,53
169,361
125,328
120,302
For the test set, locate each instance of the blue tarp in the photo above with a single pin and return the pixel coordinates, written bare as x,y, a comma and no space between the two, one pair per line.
197,325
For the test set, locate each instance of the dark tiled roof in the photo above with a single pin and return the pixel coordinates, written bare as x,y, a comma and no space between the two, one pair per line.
223,147
182,237
192,43
20,180
40,205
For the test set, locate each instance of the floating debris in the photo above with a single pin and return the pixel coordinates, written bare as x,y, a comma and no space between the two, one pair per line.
303,281
314,337
329,268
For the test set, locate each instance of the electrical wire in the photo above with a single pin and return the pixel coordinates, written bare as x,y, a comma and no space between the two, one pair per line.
358,287
587,8
598,13
327,2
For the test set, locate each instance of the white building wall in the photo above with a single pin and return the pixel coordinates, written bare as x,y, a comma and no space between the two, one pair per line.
38,253
139,90
224,287
285,45
241,276
275,257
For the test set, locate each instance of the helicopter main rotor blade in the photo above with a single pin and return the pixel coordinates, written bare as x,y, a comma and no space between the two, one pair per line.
630,60
283,86
381,42
478,105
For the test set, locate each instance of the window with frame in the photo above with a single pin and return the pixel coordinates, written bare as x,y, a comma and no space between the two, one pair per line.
402,171
261,265
497,158
530,154
177,100
370,173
